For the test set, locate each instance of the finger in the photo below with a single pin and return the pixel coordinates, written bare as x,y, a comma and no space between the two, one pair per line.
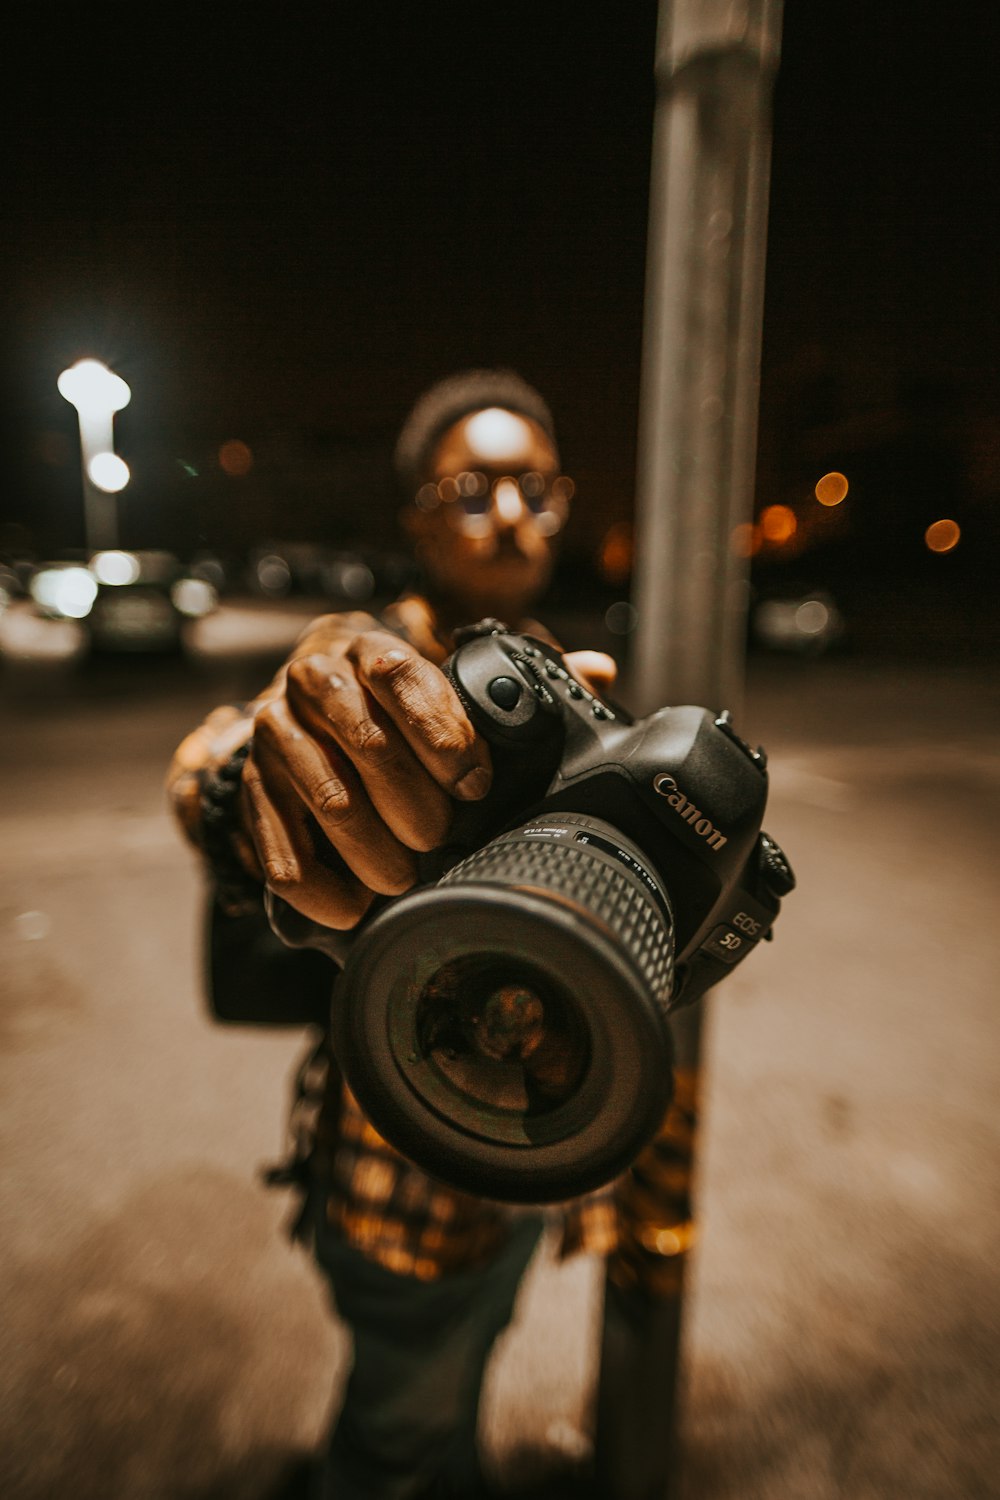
333,898
326,697
595,669
424,706
329,788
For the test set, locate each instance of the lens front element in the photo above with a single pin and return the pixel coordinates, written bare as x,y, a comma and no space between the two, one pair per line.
507,1041
506,1028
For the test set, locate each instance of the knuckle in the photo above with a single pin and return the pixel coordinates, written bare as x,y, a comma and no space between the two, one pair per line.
368,742
298,672
397,668
448,736
269,725
332,800
306,671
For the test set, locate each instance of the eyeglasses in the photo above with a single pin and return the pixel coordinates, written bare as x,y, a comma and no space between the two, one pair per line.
471,497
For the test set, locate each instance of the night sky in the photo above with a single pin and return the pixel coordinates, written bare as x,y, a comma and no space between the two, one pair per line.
281,229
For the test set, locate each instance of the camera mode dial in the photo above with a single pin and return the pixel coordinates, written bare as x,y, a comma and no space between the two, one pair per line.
775,871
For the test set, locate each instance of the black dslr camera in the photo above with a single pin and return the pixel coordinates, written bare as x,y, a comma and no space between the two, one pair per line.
505,1024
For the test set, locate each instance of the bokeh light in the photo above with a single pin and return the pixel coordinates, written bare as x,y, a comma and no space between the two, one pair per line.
778,524
116,568
614,557
109,472
235,458
274,576
92,388
548,522
812,617
349,577
943,535
69,592
832,488
193,597
621,618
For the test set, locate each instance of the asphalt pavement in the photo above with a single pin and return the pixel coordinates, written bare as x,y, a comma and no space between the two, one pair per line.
162,1338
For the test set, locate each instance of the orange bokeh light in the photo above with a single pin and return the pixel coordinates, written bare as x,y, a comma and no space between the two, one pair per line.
235,458
615,555
831,489
778,524
942,536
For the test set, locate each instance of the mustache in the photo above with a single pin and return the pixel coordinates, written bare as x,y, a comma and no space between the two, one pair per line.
507,545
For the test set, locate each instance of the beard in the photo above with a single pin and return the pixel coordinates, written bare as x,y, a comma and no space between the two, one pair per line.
501,578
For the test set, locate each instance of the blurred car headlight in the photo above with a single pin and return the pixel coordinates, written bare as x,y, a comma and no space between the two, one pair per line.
273,574
117,568
809,623
65,593
193,597
350,578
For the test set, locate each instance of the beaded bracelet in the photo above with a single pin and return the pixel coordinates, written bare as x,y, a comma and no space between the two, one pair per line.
237,889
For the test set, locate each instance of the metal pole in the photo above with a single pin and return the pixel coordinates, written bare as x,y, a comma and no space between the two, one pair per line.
715,65
715,62
100,510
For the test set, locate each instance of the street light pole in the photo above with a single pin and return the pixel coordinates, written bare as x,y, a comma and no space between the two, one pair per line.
97,394
715,65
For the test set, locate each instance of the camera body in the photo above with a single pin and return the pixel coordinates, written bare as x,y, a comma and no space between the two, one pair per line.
505,1024
681,785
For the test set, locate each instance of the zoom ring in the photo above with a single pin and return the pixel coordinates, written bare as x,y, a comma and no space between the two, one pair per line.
599,884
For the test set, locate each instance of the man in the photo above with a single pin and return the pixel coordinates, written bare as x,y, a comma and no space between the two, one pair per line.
324,790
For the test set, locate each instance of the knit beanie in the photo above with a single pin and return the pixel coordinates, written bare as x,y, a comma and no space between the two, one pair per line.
453,398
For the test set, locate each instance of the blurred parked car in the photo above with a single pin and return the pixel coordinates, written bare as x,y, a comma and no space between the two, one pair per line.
126,601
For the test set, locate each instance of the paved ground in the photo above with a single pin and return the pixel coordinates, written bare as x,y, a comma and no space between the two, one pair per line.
162,1340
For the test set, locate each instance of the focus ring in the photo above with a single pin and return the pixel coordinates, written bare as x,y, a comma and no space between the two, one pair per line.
600,885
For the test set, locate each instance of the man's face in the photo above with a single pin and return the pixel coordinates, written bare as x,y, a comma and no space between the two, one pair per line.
485,520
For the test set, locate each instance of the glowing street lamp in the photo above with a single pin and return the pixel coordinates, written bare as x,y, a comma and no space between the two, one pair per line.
97,394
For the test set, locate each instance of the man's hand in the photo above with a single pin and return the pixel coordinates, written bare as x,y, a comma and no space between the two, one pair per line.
366,737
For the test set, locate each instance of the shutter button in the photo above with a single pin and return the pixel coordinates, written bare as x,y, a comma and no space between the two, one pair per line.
505,692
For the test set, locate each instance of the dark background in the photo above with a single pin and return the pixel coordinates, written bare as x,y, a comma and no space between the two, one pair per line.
280,228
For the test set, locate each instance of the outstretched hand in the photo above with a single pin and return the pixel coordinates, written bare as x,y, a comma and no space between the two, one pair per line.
366,741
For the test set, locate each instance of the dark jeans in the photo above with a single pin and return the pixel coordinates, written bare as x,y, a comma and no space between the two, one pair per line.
407,1427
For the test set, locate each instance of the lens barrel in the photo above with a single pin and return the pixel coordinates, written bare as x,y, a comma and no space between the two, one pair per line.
506,1028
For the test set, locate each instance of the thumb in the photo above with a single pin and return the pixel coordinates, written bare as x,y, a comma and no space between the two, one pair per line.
595,669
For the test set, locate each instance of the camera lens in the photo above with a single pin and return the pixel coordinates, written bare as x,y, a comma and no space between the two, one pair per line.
506,1040
506,1029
